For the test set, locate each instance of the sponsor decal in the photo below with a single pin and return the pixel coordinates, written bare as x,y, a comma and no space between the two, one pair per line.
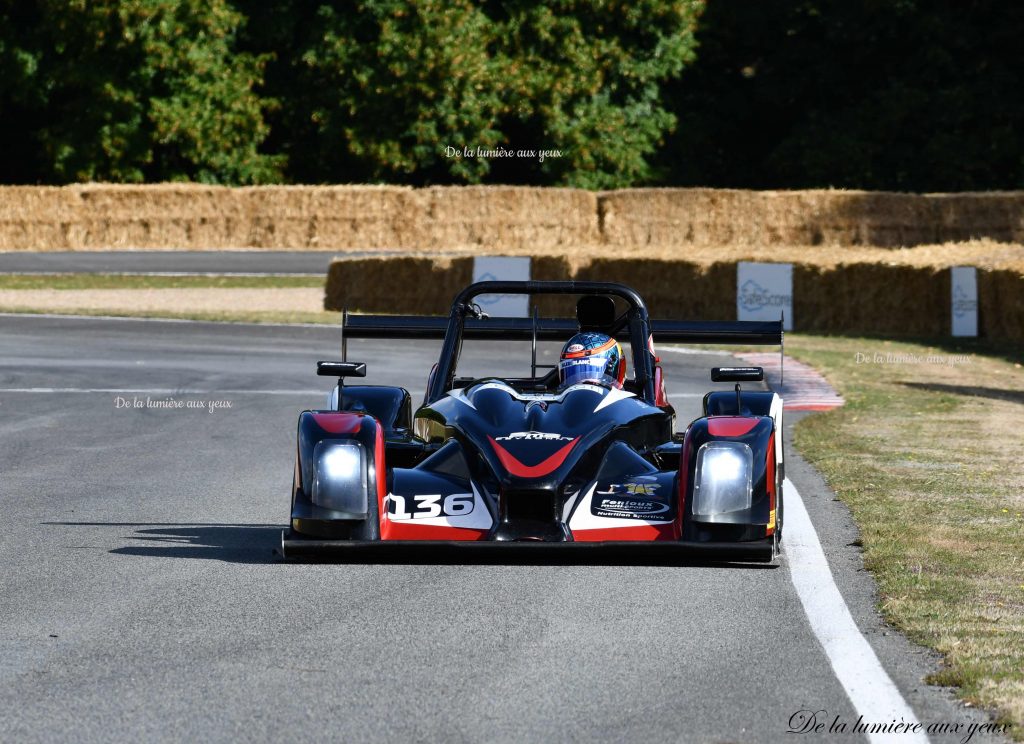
575,347
502,268
427,506
962,303
634,489
633,500
534,436
754,297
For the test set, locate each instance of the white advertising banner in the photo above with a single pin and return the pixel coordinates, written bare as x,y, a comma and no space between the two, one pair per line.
764,291
502,268
964,281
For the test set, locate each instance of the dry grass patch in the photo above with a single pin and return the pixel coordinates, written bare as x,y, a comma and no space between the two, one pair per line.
937,489
171,301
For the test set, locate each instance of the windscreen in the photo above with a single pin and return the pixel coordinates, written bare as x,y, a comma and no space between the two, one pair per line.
506,359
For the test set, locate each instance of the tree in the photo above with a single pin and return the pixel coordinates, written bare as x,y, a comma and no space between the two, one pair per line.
873,94
136,90
380,90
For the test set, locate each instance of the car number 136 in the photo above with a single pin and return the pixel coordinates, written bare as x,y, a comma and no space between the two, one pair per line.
425,506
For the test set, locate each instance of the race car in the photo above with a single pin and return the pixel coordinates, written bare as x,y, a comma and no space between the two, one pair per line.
540,462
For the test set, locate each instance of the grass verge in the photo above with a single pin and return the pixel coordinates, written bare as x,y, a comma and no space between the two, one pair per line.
927,453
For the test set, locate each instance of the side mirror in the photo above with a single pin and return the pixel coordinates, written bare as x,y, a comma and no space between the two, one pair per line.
341,369
737,374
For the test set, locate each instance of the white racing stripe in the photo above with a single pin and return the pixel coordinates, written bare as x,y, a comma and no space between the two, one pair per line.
872,692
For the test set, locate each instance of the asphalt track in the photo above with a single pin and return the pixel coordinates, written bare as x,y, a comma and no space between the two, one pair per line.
172,262
142,598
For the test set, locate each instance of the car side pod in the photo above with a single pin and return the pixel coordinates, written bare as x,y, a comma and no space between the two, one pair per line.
295,547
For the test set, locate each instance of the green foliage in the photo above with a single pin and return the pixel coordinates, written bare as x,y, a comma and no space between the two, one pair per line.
920,95
132,90
379,91
910,95
586,78
376,92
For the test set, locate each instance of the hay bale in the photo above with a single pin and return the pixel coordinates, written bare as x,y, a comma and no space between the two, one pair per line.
35,216
505,218
679,290
399,285
968,216
331,217
553,268
1001,304
680,217
871,298
643,223
866,297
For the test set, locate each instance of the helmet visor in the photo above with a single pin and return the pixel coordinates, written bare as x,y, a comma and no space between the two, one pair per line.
583,369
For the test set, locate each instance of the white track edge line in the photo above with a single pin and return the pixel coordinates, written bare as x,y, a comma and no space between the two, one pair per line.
870,689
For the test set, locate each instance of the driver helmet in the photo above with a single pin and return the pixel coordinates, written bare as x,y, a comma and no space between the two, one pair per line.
591,356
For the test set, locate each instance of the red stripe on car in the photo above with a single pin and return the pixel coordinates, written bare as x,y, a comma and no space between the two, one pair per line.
518,469
730,426
392,530
639,533
339,423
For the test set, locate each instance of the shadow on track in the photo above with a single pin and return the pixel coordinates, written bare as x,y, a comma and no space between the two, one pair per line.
1010,396
260,543
234,543
555,560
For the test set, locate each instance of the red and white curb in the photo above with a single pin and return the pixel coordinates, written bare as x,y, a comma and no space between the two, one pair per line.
801,386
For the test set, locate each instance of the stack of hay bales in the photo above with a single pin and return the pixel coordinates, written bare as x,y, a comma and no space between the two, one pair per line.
679,247
344,218
698,217
415,285
531,220
879,291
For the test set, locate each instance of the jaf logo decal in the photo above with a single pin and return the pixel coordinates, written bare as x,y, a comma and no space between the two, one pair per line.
634,489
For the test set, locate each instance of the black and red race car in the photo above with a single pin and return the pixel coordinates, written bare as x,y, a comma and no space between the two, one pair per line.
504,462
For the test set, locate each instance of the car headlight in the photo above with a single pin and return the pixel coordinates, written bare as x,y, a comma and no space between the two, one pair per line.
339,478
723,487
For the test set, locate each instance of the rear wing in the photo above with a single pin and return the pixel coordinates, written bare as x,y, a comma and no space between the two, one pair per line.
457,327
556,329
